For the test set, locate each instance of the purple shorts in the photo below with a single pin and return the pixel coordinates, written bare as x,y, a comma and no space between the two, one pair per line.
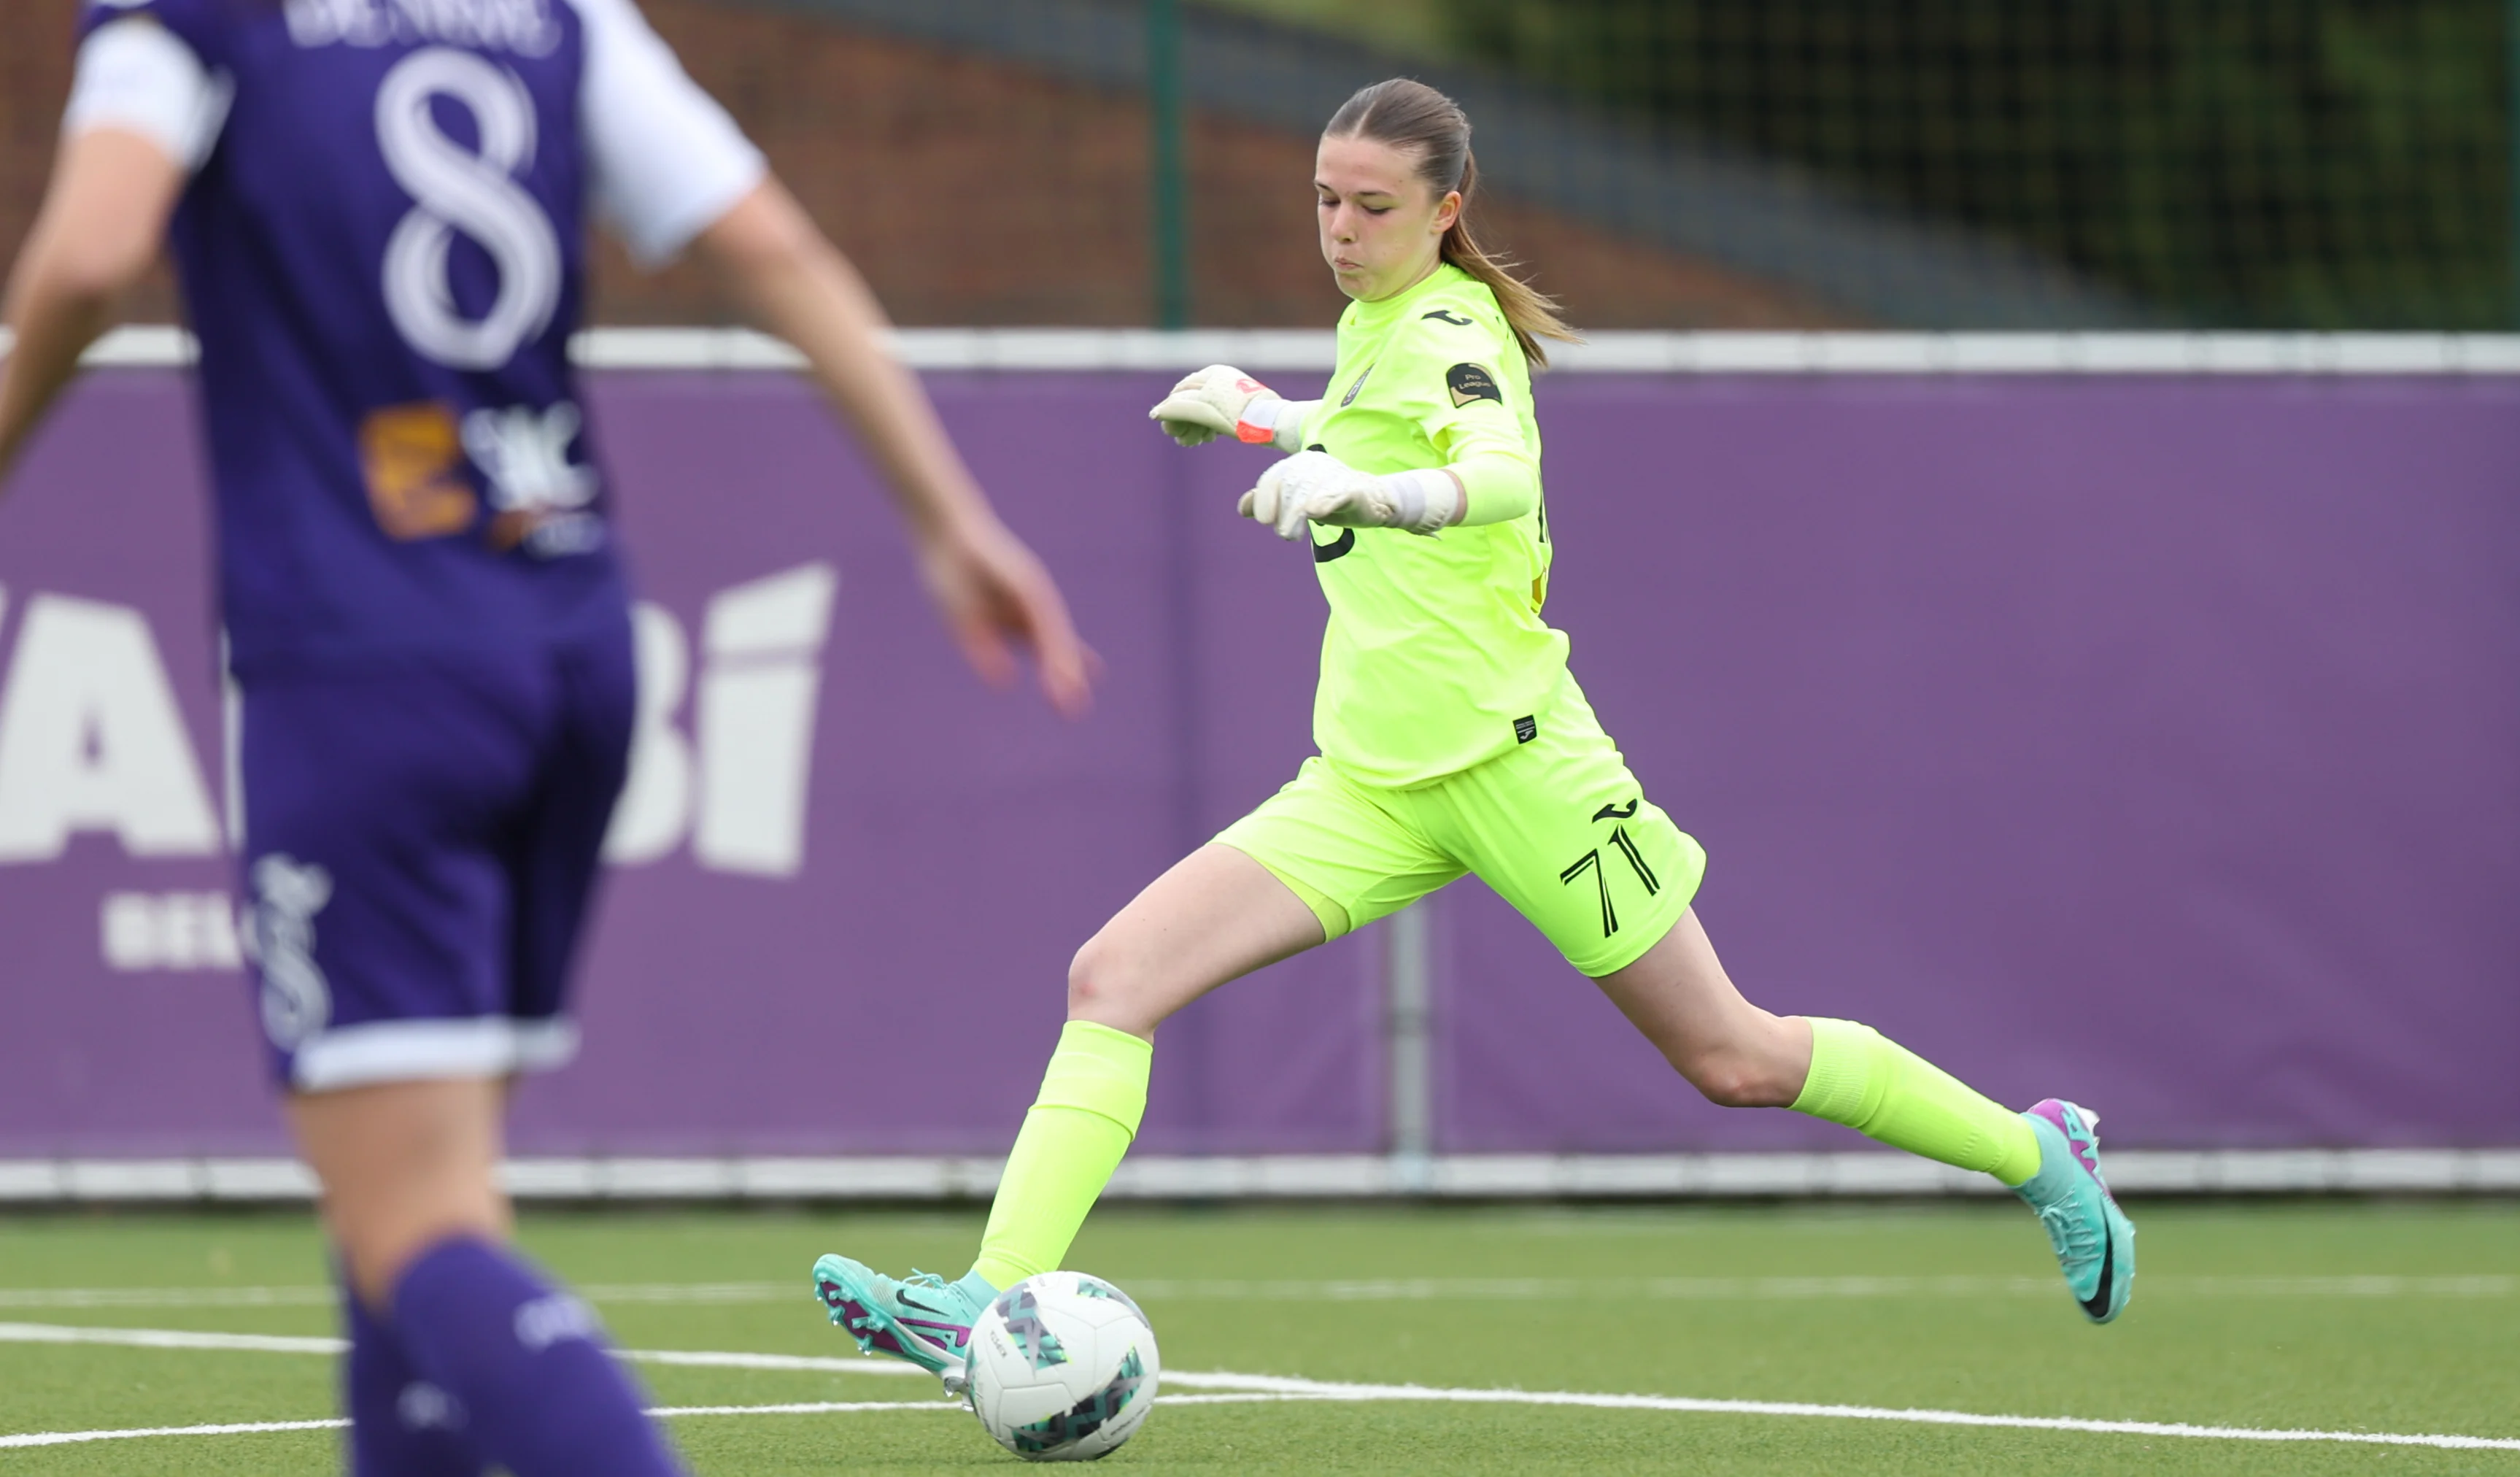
422,844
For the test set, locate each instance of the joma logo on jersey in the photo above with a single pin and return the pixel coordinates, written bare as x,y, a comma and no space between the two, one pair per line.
94,743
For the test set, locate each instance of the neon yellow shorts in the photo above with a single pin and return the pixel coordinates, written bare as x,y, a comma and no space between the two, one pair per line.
1556,826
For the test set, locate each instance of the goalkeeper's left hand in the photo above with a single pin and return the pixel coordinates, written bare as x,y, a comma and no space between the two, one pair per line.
1221,400
1313,486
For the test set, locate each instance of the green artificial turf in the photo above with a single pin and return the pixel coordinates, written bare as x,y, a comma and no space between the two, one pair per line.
1946,1307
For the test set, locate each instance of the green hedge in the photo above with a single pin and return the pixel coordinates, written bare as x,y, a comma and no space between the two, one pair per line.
2284,163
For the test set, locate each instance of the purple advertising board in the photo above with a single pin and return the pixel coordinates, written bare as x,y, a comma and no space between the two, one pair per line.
2151,741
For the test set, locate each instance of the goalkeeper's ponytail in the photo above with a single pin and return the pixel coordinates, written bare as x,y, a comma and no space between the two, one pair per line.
1414,116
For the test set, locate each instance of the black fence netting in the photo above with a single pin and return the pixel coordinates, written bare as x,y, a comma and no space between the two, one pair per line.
2278,163
2275,164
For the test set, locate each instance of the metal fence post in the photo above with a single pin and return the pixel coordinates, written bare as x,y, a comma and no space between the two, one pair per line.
1408,1043
1168,180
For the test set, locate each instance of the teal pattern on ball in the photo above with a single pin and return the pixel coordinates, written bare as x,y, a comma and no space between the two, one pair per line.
1023,1316
1087,1416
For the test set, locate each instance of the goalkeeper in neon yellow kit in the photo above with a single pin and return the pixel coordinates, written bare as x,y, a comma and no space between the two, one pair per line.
1453,739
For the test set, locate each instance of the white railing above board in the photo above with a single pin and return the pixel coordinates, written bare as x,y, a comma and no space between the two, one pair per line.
1611,351
1855,1174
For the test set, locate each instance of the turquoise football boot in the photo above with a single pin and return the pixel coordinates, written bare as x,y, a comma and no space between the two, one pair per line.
924,1320
2094,1240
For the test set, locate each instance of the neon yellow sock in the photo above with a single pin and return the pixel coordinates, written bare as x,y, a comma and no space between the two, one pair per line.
1883,1090
1091,1096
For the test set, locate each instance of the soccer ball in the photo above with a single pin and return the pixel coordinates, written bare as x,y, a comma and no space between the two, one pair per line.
1063,1367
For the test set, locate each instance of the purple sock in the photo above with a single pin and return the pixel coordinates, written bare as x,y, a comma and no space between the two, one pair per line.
526,1363
400,1424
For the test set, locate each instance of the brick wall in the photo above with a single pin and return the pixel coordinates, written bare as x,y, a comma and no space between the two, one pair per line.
970,191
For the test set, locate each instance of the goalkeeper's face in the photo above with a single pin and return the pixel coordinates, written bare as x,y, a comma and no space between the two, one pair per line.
1381,222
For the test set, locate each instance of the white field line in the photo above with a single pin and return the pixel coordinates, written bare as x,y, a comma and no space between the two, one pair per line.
1402,1290
271,1343
846,1363
1797,1288
661,1413
256,1427
1308,1389
1244,1386
167,1338
239,1428
324,1295
804,1407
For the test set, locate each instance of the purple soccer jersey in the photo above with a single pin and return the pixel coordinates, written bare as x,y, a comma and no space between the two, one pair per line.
381,248
383,258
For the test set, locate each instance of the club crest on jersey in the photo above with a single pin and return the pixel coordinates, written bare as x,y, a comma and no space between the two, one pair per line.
411,455
1469,383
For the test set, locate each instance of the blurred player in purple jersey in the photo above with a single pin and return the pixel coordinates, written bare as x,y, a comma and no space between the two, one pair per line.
378,211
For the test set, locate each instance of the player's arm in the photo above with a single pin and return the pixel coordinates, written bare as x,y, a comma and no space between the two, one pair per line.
1488,472
1447,362
142,112
1221,400
672,172
795,283
1490,463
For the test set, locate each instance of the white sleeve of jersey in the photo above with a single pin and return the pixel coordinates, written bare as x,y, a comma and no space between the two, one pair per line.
135,73
665,160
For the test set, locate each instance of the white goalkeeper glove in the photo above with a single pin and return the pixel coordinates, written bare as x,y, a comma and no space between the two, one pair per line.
1316,487
1221,400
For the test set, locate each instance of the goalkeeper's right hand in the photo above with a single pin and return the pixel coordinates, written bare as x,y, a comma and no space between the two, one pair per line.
1221,400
